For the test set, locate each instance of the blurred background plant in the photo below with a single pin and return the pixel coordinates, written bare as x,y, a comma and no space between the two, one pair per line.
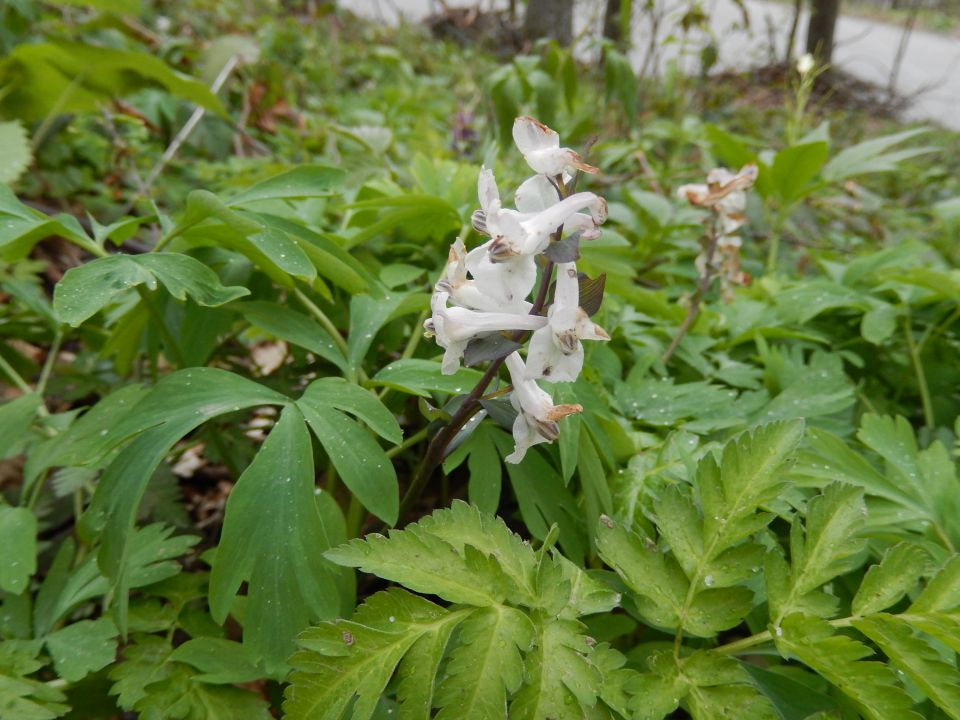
219,228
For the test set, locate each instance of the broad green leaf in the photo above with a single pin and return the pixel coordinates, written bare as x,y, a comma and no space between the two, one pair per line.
127,7
839,659
419,216
794,168
486,666
293,327
83,647
560,680
301,182
15,153
872,156
879,324
924,665
424,562
18,538
219,660
21,227
367,315
359,460
47,78
345,659
897,574
176,405
421,377
15,418
288,582
338,393
86,289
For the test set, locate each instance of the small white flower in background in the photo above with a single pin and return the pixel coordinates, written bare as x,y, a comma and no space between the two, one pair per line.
541,149
556,354
805,64
487,290
536,414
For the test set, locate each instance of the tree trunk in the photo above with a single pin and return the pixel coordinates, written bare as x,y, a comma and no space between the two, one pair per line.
823,23
549,18
612,29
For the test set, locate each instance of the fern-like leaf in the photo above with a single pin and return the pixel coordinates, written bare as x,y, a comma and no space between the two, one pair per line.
916,658
897,573
486,666
839,659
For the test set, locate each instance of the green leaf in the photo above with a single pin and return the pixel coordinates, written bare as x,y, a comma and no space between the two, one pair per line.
338,393
15,153
879,324
56,78
22,227
560,680
791,699
942,593
177,404
18,538
83,647
486,666
839,659
86,289
292,327
937,678
420,216
15,418
219,660
897,574
22,698
360,461
289,583
421,377
126,7
367,315
794,168
346,659
484,467
421,561
305,181
872,156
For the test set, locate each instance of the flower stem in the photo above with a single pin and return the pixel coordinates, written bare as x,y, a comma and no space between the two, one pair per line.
928,416
703,284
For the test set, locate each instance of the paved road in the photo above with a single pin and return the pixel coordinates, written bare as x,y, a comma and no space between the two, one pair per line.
929,74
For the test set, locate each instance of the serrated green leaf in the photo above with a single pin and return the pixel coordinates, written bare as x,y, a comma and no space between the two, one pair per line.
83,647
656,579
422,561
338,393
418,670
178,695
86,289
144,662
897,573
560,681
937,678
839,659
289,583
486,666
360,461
343,659
18,538
26,699
791,699
942,593
15,153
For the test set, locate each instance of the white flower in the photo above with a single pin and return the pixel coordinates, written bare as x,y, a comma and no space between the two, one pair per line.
454,327
528,233
499,288
541,149
556,353
805,64
536,414
537,193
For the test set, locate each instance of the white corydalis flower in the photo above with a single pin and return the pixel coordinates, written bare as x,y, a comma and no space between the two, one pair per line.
556,353
455,327
721,183
541,149
537,416
537,193
494,288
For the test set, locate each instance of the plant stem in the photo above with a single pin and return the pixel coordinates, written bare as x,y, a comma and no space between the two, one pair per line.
733,648
703,284
355,515
925,400
408,443
15,376
322,318
48,363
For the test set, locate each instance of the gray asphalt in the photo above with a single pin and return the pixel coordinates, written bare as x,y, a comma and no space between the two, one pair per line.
929,75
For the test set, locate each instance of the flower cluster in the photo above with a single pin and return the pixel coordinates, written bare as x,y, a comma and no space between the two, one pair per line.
487,290
725,195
